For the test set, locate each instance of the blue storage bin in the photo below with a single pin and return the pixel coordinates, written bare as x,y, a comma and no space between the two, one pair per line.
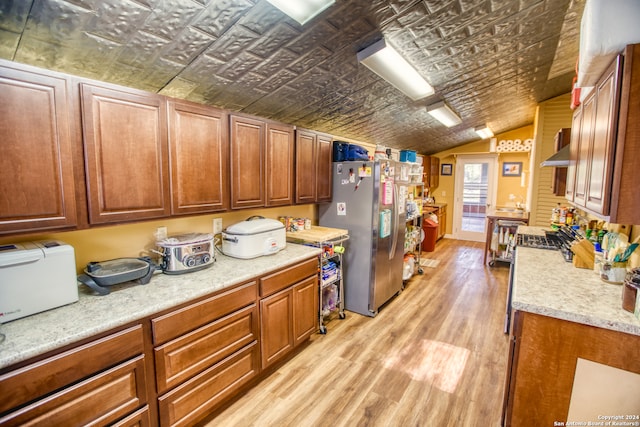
340,151
357,152
408,156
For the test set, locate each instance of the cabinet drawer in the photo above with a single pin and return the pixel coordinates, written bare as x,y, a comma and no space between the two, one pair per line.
287,277
197,397
190,354
191,317
100,400
140,418
33,381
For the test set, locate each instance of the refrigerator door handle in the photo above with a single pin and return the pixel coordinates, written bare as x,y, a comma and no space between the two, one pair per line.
394,226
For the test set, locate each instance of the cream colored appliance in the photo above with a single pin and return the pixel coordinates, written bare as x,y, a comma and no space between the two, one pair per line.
35,277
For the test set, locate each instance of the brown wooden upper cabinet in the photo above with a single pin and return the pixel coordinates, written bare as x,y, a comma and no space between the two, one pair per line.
262,155
559,181
279,164
434,169
313,166
247,162
605,144
199,154
125,141
36,166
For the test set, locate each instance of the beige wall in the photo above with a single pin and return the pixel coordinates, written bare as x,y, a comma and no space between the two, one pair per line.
134,240
551,116
505,186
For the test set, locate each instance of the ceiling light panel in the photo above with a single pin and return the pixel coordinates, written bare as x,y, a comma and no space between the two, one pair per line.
386,62
484,132
444,114
302,10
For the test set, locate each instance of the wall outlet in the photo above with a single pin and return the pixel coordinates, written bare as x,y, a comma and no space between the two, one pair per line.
217,225
444,193
161,233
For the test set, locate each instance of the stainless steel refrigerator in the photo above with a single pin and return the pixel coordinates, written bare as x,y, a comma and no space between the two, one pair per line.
369,200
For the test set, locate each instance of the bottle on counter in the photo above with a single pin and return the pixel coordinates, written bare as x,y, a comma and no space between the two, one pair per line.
563,216
555,214
569,217
598,258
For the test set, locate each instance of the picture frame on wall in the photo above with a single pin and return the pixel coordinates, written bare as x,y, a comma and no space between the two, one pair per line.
512,169
446,169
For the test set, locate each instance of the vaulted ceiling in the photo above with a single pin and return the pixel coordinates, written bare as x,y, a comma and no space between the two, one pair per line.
492,61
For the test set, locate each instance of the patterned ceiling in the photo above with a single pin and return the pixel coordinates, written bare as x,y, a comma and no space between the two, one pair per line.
491,60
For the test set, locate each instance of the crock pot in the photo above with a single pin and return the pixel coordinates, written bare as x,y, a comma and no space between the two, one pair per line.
256,236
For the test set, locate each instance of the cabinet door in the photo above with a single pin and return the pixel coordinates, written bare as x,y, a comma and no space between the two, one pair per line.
98,400
576,124
305,166
276,313
36,165
604,133
435,172
279,165
426,171
247,162
324,168
125,140
199,150
305,309
442,221
583,160
559,180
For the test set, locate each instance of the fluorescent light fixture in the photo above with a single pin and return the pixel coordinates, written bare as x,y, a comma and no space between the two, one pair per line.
444,114
386,62
484,132
302,10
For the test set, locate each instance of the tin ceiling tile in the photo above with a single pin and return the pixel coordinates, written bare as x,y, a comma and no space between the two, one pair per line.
13,15
117,20
141,50
187,45
246,55
220,15
234,41
168,18
273,40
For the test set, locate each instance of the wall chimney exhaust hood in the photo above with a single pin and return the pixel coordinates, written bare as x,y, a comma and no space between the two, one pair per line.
559,159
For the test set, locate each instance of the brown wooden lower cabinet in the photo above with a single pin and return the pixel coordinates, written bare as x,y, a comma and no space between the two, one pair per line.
290,315
196,398
542,363
80,386
174,368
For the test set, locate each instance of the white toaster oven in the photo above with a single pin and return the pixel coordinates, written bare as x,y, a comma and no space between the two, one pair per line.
36,276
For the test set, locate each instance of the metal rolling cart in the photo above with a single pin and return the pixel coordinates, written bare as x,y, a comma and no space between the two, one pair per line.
414,233
503,240
331,289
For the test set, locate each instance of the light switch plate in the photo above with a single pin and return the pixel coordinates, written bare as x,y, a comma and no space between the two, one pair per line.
217,225
161,233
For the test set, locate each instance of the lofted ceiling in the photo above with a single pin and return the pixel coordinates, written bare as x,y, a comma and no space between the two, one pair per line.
492,61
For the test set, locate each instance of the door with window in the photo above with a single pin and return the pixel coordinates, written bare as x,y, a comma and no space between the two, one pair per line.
474,194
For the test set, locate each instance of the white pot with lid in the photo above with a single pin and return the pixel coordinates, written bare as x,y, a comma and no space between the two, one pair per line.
256,236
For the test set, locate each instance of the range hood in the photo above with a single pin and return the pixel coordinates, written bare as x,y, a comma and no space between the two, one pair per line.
559,159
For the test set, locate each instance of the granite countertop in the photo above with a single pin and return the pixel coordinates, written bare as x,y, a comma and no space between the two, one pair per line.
504,214
434,205
544,283
128,302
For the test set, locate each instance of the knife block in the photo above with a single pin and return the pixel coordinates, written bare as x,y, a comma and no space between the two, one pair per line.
583,254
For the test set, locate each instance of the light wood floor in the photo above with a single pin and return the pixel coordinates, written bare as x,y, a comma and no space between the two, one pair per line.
434,356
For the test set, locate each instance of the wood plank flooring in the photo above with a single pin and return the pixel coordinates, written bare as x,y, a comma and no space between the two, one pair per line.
434,356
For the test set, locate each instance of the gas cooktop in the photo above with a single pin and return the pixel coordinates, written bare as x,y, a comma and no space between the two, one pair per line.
554,240
548,241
